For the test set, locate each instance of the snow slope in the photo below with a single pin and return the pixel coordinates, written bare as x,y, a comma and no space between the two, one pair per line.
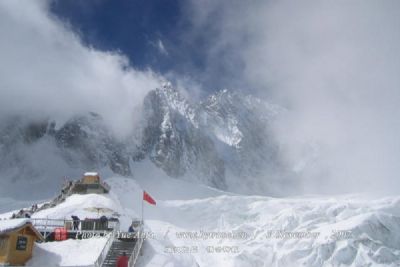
194,225
67,253
350,230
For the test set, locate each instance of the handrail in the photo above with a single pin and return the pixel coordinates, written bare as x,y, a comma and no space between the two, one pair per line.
100,260
54,223
106,185
134,256
47,226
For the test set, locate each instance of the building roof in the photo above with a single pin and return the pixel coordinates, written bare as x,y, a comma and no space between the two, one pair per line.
91,174
11,225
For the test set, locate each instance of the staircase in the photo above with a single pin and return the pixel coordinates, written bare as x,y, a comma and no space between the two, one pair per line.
117,248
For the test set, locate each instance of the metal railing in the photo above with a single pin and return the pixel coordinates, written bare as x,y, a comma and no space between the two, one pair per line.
49,225
106,186
87,225
83,228
135,254
103,255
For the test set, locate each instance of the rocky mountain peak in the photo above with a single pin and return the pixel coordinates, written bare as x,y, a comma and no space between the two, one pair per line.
224,141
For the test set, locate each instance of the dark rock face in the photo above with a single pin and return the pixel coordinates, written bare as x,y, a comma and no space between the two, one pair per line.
16,129
224,142
89,138
223,139
83,141
174,143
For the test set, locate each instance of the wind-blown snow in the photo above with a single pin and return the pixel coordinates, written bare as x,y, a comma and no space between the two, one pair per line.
305,231
194,225
81,206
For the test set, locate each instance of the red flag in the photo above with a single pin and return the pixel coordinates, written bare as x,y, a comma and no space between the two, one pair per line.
148,198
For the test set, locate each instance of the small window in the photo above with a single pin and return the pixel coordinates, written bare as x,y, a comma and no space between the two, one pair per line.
22,243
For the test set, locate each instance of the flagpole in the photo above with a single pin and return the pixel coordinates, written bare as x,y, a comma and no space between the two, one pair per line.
142,209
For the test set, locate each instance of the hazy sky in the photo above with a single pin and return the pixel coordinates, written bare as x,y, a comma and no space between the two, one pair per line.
333,64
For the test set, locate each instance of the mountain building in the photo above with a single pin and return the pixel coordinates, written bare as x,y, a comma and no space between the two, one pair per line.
90,184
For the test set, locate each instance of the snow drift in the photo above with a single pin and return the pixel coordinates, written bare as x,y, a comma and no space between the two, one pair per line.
214,228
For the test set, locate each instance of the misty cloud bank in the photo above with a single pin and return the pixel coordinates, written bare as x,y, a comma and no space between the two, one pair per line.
45,70
335,66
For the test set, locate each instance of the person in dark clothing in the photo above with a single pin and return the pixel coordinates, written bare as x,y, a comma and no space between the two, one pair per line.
103,222
75,222
131,230
103,219
122,260
34,208
20,214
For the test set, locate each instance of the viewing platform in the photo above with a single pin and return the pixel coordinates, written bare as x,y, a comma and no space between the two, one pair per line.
117,243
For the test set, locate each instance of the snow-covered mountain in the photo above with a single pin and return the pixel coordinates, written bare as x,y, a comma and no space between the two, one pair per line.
175,142
225,142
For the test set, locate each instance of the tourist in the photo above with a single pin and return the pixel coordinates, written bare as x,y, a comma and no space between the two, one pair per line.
122,260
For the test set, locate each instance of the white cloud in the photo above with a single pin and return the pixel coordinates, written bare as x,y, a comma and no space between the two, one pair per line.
46,69
336,65
161,48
